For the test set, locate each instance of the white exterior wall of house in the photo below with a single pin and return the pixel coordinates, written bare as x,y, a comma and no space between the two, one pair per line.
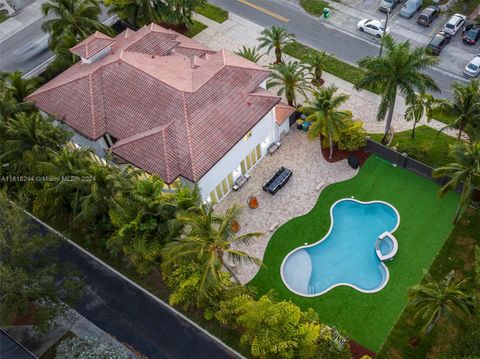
284,127
263,134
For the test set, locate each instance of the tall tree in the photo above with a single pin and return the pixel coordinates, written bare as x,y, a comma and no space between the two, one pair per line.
433,300
465,106
77,17
421,104
29,272
275,37
208,242
9,105
179,12
400,68
465,169
250,53
327,119
19,88
290,79
135,12
315,61
64,58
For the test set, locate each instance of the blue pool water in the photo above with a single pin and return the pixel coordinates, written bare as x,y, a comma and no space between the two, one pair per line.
346,256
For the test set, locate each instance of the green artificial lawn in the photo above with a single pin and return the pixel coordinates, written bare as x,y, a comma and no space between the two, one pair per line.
426,222
213,12
429,146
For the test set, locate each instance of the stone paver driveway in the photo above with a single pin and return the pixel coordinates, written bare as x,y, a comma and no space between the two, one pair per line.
299,195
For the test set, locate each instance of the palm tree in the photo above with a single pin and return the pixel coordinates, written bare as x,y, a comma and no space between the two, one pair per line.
179,12
78,17
136,12
324,115
290,79
315,61
465,106
277,38
400,68
434,300
208,242
421,104
465,169
250,53
64,58
19,88
9,106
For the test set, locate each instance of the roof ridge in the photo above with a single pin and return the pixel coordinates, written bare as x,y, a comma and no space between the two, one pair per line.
165,153
140,135
187,126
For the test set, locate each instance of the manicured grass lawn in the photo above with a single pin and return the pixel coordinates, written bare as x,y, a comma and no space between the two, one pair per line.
333,65
429,146
426,222
213,12
443,116
196,28
314,7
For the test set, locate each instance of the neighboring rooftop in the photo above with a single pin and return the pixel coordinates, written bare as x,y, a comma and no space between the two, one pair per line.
174,106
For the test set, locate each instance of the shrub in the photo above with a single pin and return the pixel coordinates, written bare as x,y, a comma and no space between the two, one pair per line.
353,137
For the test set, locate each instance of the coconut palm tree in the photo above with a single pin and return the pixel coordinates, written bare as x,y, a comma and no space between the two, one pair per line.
315,64
250,53
64,58
78,17
400,68
208,242
135,12
275,37
324,115
19,88
466,169
9,106
290,79
465,106
421,104
434,300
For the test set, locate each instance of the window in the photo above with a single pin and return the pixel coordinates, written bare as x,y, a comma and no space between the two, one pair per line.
259,152
247,136
213,197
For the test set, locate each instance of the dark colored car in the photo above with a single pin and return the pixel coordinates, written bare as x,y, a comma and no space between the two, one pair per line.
427,16
438,42
471,35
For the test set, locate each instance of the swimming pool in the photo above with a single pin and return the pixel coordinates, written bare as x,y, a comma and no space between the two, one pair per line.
352,253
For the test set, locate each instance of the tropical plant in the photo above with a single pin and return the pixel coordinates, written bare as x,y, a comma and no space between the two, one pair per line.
477,264
290,79
9,106
352,137
275,37
208,242
135,12
400,68
465,106
274,330
19,88
179,12
325,117
433,300
421,104
64,58
77,17
463,171
315,61
250,53
90,348
29,271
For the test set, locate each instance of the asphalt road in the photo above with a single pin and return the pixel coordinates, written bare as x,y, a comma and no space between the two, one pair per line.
131,316
311,31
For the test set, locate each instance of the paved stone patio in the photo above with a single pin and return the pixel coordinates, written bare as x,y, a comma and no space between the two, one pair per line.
298,197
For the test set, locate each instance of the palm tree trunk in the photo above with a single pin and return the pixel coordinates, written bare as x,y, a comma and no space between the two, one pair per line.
229,270
278,55
413,130
388,123
330,141
290,98
459,136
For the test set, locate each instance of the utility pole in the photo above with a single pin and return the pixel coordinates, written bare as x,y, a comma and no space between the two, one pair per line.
383,35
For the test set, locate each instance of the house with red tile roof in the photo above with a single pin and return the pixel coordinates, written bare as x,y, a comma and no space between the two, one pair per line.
168,105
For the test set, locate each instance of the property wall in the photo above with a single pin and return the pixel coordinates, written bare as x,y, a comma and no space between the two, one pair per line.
263,134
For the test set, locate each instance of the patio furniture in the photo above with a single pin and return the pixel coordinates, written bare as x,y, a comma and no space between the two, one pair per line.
278,180
252,202
273,147
240,181
235,226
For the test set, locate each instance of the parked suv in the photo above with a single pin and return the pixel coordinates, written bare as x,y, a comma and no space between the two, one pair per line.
454,24
473,67
388,5
427,16
438,42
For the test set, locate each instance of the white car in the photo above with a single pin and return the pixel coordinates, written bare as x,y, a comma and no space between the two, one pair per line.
454,24
473,67
374,27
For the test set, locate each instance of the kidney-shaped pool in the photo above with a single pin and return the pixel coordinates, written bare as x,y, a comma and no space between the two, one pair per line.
352,253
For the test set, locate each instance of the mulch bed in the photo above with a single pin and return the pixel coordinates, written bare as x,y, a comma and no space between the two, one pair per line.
339,155
359,351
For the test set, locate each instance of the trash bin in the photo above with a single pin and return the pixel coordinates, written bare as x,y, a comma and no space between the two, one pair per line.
326,12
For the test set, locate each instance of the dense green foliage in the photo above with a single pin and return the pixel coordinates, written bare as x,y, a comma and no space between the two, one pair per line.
289,80
250,53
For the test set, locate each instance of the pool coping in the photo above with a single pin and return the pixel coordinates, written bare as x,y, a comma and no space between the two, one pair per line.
324,237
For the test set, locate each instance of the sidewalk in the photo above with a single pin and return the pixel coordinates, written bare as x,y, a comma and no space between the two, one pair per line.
22,19
237,32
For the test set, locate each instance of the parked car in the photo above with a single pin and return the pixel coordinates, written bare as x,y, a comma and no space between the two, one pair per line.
471,36
374,27
410,8
438,42
454,24
473,67
427,16
388,5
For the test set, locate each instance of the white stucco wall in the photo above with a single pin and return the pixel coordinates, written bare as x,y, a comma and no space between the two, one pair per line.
284,127
263,133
